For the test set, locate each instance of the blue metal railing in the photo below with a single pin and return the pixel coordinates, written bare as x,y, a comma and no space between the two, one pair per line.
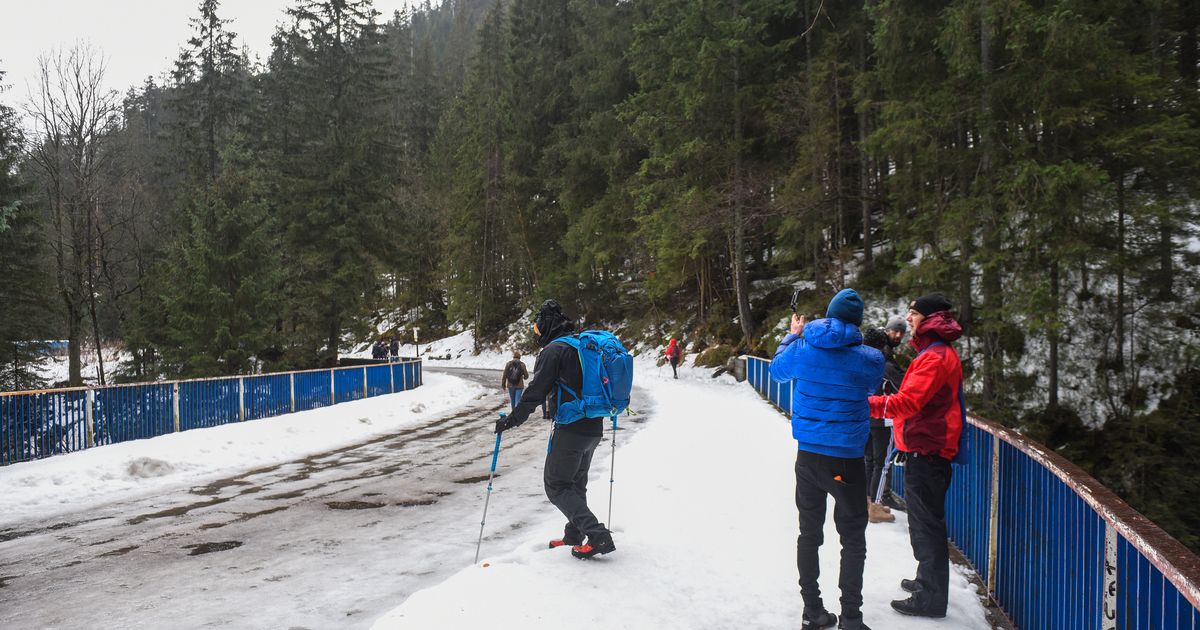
40,424
1055,548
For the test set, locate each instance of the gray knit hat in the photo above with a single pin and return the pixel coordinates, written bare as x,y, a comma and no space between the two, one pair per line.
897,324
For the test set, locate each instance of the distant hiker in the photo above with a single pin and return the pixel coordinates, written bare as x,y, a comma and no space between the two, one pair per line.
394,348
674,354
896,328
881,434
377,351
832,374
928,416
514,377
569,457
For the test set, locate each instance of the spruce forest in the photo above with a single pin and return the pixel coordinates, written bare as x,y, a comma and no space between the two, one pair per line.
664,167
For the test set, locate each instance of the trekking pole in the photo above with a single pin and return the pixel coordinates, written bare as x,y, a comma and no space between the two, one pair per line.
495,454
611,468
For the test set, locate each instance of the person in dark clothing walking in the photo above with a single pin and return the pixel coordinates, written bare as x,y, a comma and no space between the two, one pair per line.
394,348
569,456
928,416
513,380
881,433
832,374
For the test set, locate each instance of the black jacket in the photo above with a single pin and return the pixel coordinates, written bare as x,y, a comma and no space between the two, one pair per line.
893,375
556,363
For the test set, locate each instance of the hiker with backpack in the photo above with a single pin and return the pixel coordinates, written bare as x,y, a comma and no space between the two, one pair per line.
513,380
928,413
831,374
674,354
589,375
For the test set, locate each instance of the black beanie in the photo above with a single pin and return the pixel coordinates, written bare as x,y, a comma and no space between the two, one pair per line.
929,304
875,338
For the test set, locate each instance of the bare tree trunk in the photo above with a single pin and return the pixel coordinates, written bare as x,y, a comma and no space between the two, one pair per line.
1052,368
740,282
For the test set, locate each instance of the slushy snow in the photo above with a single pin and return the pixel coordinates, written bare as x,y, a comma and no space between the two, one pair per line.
705,527
93,477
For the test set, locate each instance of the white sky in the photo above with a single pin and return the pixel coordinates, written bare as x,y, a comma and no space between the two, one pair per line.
139,38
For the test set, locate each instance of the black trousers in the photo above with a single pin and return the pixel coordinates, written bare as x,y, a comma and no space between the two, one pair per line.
566,476
877,443
926,480
818,476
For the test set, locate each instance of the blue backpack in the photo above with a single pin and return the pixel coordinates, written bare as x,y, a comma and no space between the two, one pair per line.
607,378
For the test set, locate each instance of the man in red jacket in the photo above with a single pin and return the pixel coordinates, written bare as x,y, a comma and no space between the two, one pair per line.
928,417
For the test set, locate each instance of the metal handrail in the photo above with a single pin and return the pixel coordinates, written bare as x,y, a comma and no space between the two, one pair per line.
57,390
1176,563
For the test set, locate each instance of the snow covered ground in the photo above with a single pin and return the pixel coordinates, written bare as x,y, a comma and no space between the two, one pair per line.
293,533
85,479
705,529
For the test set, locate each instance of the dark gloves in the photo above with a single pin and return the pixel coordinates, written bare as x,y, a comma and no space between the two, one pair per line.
507,422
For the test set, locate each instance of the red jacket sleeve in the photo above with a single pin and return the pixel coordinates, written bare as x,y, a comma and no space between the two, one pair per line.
924,378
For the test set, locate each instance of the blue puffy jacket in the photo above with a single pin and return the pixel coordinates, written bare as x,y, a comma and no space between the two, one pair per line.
832,374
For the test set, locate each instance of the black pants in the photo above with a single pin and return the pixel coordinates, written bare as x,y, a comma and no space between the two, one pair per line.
675,367
566,478
816,477
877,443
926,480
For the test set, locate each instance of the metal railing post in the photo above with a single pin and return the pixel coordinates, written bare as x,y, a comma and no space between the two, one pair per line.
89,416
332,387
1108,618
241,399
175,406
366,393
392,375
994,518
292,390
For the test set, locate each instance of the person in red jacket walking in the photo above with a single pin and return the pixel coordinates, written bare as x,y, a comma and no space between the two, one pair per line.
674,354
928,413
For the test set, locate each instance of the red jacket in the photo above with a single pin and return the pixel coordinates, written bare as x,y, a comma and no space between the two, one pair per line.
927,410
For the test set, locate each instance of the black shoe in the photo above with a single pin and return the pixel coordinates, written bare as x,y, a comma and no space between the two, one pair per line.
596,545
894,502
913,608
912,586
823,619
852,623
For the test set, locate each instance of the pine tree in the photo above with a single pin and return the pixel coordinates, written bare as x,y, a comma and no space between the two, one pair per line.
224,274
23,295
337,197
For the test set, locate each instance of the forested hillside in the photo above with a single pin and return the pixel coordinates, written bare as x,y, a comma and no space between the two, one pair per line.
672,167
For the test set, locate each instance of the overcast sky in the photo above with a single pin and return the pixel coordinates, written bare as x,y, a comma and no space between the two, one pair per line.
140,38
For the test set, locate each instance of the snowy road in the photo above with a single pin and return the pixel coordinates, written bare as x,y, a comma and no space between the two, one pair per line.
329,540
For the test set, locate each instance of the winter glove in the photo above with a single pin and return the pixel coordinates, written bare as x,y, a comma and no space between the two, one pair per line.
506,422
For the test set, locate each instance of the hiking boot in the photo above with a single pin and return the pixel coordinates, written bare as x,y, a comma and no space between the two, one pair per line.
596,545
569,539
822,619
912,586
877,514
914,608
852,623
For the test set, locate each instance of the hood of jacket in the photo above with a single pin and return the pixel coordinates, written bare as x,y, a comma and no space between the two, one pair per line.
939,326
831,332
551,323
